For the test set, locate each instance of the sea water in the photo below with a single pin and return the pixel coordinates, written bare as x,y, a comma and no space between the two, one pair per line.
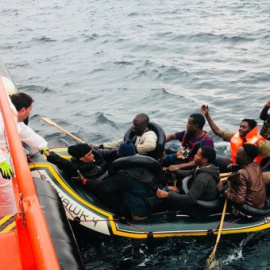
91,66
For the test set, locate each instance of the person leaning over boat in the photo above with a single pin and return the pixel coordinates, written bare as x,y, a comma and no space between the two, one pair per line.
247,133
131,190
145,140
245,186
21,109
92,163
193,138
203,185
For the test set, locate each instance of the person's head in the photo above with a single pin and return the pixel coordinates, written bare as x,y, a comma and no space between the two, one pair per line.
140,123
126,149
205,156
82,152
246,154
23,104
195,121
246,126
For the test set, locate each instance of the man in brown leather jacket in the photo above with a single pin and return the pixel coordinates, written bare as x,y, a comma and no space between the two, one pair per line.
246,185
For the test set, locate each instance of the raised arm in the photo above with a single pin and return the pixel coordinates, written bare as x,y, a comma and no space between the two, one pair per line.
214,127
264,112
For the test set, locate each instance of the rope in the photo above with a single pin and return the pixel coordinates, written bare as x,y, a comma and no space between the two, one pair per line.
43,177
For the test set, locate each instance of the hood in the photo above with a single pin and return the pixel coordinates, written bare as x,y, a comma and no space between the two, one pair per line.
141,174
211,169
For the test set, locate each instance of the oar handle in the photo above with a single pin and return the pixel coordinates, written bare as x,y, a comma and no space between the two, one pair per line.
50,122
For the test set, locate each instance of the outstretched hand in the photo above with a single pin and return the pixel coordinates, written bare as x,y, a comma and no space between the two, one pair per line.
205,110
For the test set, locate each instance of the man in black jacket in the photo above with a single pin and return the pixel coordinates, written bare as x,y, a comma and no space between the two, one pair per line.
91,163
130,188
203,185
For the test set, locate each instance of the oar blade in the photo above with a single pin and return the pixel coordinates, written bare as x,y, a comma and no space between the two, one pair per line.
47,120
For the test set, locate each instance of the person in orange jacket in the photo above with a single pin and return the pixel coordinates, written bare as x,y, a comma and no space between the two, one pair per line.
247,133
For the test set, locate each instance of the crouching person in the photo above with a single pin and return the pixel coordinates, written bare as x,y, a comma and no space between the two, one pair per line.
92,163
130,188
246,185
203,186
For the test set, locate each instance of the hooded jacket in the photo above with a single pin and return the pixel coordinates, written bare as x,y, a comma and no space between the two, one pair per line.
88,170
203,187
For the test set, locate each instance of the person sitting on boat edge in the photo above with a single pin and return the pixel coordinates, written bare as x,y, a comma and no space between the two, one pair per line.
247,133
91,162
145,140
21,105
131,189
193,138
245,186
203,185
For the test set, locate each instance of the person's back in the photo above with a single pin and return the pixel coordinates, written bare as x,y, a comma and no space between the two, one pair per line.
251,178
247,185
140,194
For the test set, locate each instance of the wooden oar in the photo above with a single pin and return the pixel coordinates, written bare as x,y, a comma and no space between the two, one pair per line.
225,174
50,122
210,261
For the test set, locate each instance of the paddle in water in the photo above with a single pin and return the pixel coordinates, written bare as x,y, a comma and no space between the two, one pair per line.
211,261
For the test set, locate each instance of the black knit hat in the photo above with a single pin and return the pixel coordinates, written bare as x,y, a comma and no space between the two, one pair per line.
127,149
79,150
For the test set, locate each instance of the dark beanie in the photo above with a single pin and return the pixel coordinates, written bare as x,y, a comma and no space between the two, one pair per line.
79,150
127,149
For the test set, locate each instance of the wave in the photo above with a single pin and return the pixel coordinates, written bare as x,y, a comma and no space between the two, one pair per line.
44,39
206,37
123,63
100,118
36,89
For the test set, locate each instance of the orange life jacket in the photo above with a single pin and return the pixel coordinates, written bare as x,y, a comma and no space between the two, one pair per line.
252,138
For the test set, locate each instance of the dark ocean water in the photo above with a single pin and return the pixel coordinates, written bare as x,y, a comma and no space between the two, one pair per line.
91,66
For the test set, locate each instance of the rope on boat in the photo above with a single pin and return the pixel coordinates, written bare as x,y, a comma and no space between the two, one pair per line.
121,220
30,160
211,231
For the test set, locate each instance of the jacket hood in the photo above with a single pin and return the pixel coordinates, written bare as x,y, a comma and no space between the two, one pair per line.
141,174
211,169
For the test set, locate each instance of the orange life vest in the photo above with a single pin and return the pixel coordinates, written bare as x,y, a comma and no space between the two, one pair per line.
252,138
